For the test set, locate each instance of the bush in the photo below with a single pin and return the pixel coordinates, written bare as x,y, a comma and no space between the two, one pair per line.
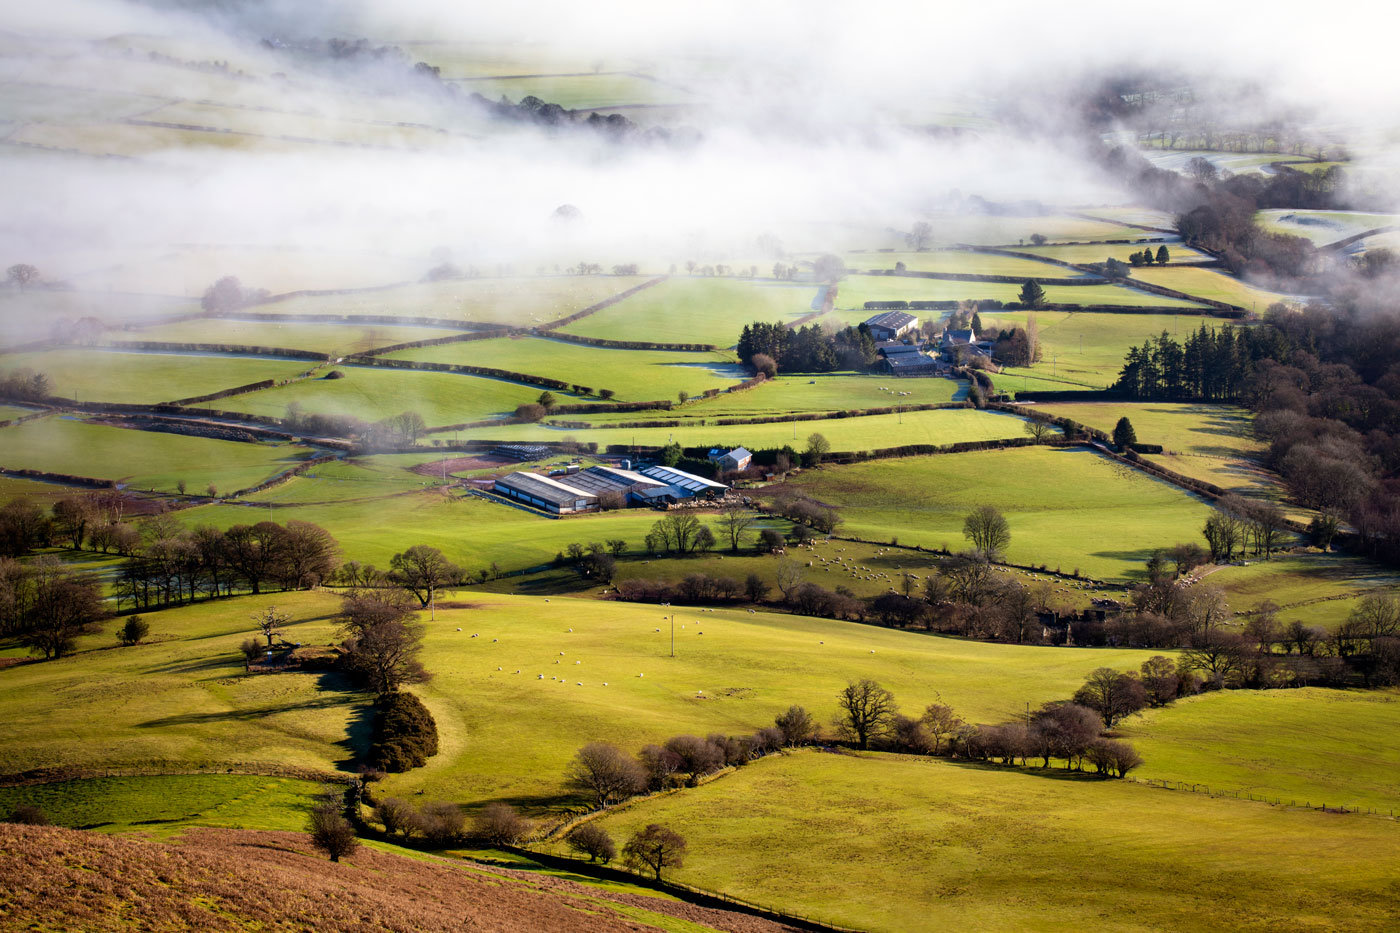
593,841
500,825
441,823
135,629
397,817
27,815
332,833
405,733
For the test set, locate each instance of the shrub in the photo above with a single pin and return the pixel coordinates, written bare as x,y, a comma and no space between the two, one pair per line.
397,817
332,833
26,814
500,825
441,823
405,733
796,726
135,629
592,841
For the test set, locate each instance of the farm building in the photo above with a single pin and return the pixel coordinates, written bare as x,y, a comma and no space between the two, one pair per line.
903,360
545,493
686,485
736,459
891,325
599,480
521,452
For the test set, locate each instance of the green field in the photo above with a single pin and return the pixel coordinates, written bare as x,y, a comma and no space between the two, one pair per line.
340,480
1313,746
142,459
183,699
855,290
1310,587
925,844
335,340
1215,285
1067,508
959,261
147,378
169,803
635,375
1086,348
580,92
371,394
703,310
29,316
518,302
871,432
999,230
1177,251
828,392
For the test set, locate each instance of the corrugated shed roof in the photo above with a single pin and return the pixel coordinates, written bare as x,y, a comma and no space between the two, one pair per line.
544,488
601,479
681,479
894,320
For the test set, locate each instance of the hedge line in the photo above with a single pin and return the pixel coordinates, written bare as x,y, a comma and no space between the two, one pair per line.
978,277
361,360
66,478
442,341
353,319
245,349
624,344
286,475
236,390
605,303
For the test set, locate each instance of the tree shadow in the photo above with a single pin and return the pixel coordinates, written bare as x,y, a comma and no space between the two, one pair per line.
1052,773
242,715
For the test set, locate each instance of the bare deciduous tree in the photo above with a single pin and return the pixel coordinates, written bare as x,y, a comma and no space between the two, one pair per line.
654,849
606,773
986,528
866,710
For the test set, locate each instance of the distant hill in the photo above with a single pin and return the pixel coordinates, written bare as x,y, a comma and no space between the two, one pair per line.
213,880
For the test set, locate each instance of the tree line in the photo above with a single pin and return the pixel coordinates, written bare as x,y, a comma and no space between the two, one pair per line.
804,349
1209,365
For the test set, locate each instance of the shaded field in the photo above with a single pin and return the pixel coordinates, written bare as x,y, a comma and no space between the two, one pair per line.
96,375
1315,746
1311,587
1000,230
704,310
335,340
1067,508
1323,226
579,92
28,316
635,375
959,261
923,844
938,427
143,459
518,302
371,394
1176,251
169,803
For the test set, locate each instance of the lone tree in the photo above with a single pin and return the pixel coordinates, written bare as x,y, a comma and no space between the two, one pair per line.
1164,256
332,833
735,519
796,725
1032,295
422,571
988,531
1124,437
22,274
547,400
271,622
1039,429
593,841
817,448
1112,694
135,629
654,849
605,773
920,235
867,710
382,647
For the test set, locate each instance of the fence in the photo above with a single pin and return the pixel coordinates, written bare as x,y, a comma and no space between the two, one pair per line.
1206,789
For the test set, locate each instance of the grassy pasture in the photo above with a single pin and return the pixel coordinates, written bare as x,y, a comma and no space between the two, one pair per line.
340,480
1066,508
520,301
864,433
635,375
1332,747
579,92
1213,284
1083,347
143,459
27,317
1213,443
297,126
1179,252
691,310
988,230
1323,226
1133,214
371,394
1315,588
959,261
183,699
924,844
42,494
333,339
855,290
828,392
1176,159
470,531
97,375
164,804
48,103
124,139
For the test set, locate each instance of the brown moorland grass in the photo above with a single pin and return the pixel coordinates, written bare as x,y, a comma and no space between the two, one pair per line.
213,880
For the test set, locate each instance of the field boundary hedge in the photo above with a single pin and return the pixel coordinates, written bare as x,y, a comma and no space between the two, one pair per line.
67,479
978,277
284,476
595,308
236,390
245,349
329,318
442,341
625,344
461,368
55,775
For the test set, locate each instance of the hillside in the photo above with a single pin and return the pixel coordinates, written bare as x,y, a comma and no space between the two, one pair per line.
54,878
